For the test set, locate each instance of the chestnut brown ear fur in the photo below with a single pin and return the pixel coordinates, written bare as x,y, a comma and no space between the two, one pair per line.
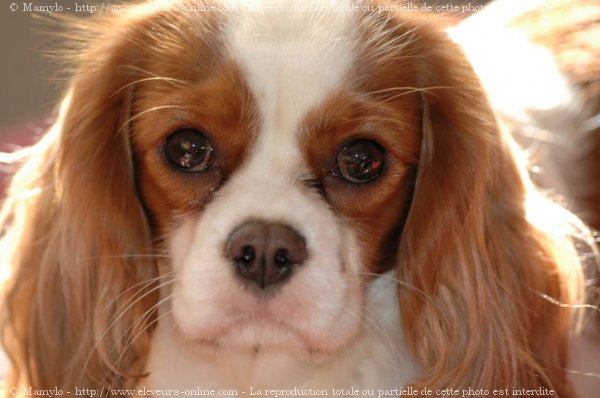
80,298
478,315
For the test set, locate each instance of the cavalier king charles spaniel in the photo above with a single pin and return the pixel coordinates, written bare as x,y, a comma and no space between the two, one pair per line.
248,199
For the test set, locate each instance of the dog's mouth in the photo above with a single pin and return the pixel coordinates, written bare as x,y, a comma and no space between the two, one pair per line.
273,320
260,332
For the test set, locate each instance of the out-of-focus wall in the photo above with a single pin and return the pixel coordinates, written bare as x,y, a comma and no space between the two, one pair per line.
25,91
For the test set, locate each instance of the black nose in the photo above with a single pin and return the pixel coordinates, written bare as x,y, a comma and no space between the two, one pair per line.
265,253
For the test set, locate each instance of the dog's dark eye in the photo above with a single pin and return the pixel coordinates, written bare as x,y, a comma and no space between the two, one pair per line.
361,161
188,150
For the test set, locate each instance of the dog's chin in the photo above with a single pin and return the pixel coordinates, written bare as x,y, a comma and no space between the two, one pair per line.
263,334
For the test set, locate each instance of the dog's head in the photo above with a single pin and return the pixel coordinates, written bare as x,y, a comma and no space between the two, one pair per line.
261,168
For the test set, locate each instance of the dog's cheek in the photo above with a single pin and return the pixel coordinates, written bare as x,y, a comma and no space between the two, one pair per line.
207,297
180,243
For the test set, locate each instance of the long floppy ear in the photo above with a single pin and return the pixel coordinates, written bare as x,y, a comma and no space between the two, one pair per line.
76,235
486,280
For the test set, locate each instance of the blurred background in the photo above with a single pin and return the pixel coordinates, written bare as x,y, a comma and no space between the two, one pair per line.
25,91
28,93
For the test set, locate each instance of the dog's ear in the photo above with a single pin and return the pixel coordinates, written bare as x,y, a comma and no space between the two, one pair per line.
78,235
485,279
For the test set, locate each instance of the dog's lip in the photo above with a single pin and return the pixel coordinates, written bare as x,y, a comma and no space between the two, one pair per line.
306,343
261,319
230,329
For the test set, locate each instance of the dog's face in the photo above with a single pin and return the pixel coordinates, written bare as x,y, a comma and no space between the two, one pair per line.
276,174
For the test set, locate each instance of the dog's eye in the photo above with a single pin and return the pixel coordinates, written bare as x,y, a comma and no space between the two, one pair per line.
188,150
361,161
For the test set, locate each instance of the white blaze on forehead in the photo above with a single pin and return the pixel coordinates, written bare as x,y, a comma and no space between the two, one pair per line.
291,61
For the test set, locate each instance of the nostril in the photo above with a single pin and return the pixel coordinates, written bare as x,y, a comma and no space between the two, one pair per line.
247,256
282,258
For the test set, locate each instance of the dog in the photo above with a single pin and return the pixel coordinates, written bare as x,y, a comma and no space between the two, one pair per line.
276,199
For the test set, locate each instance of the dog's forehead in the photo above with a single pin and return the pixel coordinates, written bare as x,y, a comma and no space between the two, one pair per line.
290,61
295,58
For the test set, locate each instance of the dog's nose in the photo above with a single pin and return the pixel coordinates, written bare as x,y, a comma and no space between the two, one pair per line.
265,253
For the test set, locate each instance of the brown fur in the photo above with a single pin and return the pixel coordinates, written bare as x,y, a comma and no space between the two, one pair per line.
217,104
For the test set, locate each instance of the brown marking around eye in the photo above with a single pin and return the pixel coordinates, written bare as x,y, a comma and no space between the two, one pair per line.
218,104
376,210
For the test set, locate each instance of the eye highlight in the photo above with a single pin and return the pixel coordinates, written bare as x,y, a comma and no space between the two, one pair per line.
361,161
188,150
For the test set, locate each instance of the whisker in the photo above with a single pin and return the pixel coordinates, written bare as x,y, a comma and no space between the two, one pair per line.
394,46
133,300
381,335
142,286
407,285
143,318
409,90
117,316
147,79
560,304
127,256
142,113
140,320
145,71
582,373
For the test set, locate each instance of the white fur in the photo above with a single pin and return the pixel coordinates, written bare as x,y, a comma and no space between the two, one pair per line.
374,360
315,330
